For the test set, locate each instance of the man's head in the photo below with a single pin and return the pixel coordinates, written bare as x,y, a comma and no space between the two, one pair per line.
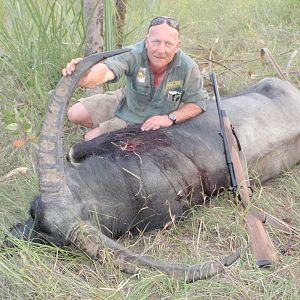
162,42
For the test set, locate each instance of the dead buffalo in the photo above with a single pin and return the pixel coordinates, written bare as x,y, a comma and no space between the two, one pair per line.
134,181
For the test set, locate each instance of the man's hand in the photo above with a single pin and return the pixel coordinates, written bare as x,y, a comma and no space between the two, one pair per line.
156,122
185,112
96,75
71,66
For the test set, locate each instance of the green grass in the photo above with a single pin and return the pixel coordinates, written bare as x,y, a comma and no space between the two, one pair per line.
37,38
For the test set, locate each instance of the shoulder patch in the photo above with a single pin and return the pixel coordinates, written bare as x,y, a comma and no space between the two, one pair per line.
141,75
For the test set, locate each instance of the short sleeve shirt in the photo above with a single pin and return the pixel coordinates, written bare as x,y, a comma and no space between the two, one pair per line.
182,83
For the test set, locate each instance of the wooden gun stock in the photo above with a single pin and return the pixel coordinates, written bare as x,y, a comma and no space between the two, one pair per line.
262,246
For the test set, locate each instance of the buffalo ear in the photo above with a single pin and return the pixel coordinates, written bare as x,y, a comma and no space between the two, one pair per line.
23,232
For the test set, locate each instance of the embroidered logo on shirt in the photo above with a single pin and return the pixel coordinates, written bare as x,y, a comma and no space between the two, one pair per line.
141,75
173,85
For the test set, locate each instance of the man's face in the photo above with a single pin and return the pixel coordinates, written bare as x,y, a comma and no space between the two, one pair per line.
162,43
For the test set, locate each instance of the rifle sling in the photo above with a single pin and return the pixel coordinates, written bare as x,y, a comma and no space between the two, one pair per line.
266,217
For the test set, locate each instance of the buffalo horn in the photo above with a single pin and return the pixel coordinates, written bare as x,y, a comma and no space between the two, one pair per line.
50,160
91,241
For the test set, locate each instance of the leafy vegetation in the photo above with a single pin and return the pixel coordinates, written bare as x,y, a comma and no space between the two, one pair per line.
37,38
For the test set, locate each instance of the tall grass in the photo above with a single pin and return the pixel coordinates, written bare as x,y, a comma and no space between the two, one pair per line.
110,25
37,38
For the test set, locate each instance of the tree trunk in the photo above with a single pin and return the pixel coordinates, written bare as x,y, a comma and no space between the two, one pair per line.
93,19
121,14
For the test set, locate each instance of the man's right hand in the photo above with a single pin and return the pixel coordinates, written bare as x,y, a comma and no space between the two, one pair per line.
71,66
96,75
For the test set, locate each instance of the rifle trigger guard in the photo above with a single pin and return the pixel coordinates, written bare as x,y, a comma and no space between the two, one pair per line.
236,138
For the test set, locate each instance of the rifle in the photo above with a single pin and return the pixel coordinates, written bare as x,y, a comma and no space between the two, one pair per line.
262,246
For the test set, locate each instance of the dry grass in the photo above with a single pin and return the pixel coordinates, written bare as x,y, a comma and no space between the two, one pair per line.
227,37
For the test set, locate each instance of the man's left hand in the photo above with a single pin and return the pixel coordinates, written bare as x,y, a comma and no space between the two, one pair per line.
156,122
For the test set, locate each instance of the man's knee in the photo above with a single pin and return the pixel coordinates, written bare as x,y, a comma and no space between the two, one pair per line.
105,127
92,134
78,114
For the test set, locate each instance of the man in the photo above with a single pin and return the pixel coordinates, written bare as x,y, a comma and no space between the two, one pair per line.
163,85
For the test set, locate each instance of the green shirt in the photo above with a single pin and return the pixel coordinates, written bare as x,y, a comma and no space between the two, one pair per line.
182,83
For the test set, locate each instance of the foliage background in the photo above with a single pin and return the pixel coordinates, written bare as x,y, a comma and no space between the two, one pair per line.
37,38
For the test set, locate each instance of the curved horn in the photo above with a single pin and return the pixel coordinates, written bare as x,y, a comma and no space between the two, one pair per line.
50,160
91,241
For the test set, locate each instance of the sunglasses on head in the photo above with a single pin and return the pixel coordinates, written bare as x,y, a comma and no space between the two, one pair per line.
160,20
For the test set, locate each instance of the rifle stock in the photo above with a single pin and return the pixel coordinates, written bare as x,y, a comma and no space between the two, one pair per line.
261,244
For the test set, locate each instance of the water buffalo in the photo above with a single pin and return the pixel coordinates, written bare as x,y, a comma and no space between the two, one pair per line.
131,180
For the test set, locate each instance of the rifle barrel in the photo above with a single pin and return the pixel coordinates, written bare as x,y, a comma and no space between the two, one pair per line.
222,116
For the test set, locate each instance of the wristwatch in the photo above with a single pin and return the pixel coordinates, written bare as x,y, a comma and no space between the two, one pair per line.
172,117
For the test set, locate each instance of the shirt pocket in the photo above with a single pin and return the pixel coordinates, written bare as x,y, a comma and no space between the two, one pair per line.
173,97
168,102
